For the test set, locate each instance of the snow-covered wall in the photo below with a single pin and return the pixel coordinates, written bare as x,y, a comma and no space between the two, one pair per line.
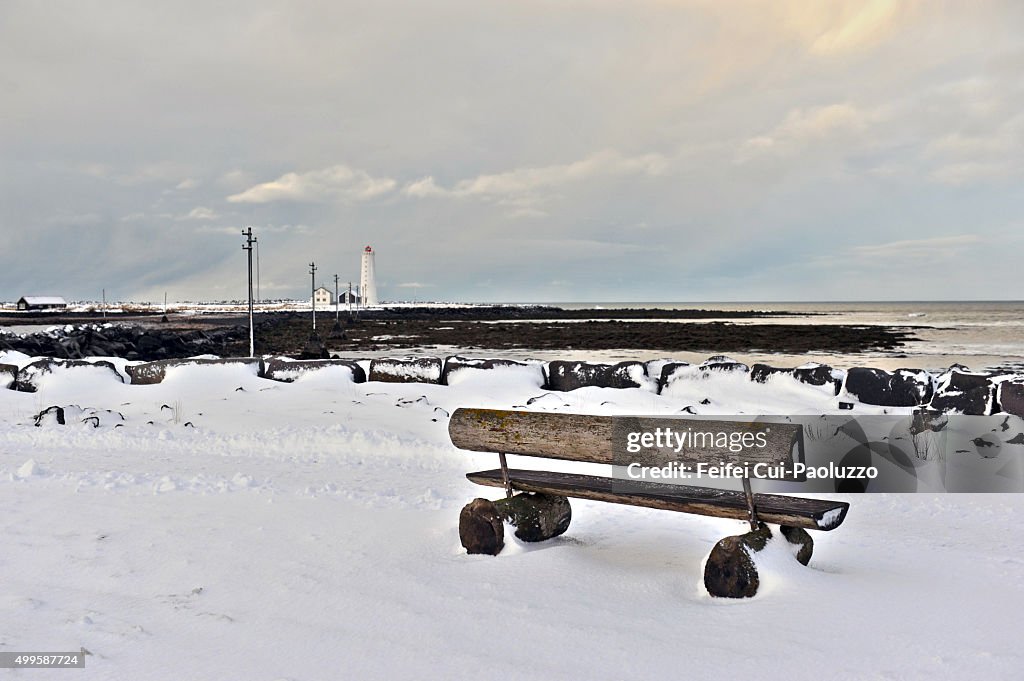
717,381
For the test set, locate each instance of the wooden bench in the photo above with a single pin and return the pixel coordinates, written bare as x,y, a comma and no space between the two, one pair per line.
541,509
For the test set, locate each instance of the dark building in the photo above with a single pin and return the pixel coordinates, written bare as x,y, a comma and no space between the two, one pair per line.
42,303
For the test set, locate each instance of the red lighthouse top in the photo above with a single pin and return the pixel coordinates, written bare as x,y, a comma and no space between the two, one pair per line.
368,249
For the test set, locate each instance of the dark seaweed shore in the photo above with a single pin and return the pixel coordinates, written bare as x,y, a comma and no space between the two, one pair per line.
491,328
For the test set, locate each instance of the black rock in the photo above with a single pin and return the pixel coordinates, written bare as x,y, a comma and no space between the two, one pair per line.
902,388
1011,397
811,374
722,363
717,364
975,402
54,413
961,391
8,375
816,374
668,373
565,376
146,343
760,373
314,348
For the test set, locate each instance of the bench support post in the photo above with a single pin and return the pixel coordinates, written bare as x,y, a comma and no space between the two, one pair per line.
504,475
751,510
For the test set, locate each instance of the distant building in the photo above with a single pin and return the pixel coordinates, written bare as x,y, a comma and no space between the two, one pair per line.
42,303
368,278
322,297
343,298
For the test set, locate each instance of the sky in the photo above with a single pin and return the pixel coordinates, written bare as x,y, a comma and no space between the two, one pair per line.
528,151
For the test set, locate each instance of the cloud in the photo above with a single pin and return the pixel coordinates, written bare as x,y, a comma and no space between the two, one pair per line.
989,153
830,28
336,183
873,21
526,212
804,126
75,220
187,183
942,247
235,179
533,181
970,172
413,284
200,213
258,230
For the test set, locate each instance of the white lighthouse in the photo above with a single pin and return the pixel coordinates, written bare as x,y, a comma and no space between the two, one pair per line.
367,279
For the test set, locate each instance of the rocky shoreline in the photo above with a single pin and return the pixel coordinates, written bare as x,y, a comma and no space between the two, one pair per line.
494,328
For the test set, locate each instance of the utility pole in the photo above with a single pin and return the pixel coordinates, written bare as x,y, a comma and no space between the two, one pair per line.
249,241
337,332
350,300
258,296
312,294
337,303
315,348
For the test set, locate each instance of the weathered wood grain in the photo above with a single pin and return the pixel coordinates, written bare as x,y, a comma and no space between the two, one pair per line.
814,514
602,439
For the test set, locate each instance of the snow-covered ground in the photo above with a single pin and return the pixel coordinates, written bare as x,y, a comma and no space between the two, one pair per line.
223,526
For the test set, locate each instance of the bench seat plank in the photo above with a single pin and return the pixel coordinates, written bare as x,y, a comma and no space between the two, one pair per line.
812,514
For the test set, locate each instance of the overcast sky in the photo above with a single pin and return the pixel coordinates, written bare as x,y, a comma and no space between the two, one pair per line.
514,151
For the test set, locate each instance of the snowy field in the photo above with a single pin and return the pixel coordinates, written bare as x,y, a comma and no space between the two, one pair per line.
223,526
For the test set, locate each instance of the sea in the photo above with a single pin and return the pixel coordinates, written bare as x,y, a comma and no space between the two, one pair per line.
982,335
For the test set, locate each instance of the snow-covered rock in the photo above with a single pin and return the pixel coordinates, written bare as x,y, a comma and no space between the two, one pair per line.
900,388
565,376
460,369
8,375
406,370
31,376
287,370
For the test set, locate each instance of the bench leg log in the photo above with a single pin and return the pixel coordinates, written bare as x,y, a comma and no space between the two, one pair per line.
730,571
480,528
536,517
799,537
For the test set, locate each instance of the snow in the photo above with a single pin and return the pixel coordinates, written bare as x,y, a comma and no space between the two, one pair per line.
830,517
528,377
236,527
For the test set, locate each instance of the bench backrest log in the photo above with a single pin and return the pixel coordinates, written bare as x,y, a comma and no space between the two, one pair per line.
602,439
